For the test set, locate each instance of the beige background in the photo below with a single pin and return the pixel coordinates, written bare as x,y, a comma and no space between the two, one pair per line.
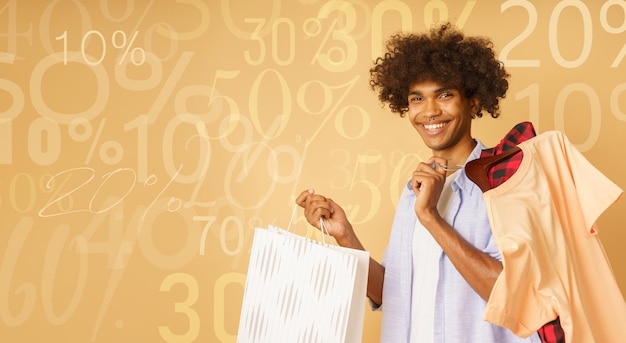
134,168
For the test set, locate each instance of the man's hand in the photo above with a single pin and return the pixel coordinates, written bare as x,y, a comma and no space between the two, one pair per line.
428,180
317,206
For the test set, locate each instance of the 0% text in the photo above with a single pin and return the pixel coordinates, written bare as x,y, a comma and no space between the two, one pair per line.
119,40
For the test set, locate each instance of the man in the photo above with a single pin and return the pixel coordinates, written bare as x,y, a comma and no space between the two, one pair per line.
441,261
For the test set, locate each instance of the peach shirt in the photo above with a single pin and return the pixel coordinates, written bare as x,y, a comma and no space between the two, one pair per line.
543,221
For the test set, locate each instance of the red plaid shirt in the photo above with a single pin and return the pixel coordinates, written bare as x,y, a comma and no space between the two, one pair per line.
551,332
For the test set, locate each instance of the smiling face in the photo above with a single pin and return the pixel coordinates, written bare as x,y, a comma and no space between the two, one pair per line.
442,116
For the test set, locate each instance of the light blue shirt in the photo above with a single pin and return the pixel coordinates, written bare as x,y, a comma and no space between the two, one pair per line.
458,308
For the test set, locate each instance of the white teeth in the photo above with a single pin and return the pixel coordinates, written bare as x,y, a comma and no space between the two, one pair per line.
432,127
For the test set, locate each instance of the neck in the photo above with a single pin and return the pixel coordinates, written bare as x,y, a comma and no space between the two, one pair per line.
457,156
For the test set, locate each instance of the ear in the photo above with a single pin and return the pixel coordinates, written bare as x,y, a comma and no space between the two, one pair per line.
474,106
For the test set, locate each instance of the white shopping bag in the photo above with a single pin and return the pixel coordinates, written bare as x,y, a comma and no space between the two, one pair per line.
300,290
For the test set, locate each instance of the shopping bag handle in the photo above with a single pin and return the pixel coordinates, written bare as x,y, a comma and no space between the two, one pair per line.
323,228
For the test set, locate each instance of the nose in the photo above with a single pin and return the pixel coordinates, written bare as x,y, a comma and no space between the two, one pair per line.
432,108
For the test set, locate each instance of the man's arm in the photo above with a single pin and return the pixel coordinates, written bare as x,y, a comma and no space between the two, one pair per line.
376,273
479,269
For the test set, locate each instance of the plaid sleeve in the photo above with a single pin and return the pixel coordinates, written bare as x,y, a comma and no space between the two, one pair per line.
551,332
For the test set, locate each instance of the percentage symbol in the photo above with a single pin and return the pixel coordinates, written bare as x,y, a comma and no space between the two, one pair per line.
165,93
331,112
151,181
48,184
313,28
128,47
126,247
251,157
348,87
127,13
80,130
335,58
604,21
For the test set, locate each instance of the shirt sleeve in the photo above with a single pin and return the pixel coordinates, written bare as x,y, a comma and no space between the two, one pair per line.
595,191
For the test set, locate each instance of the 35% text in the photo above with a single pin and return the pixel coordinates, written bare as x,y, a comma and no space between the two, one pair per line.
119,40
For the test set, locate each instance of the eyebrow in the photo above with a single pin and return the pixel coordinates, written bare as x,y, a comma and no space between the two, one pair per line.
438,90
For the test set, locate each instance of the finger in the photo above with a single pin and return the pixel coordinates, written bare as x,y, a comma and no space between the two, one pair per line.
319,212
301,199
332,206
418,179
316,205
428,167
439,164
416,186
423,171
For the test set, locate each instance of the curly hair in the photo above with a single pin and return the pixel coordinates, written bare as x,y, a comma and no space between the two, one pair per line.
446,56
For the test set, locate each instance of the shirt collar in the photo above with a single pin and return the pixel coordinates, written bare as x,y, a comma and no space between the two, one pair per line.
462,181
